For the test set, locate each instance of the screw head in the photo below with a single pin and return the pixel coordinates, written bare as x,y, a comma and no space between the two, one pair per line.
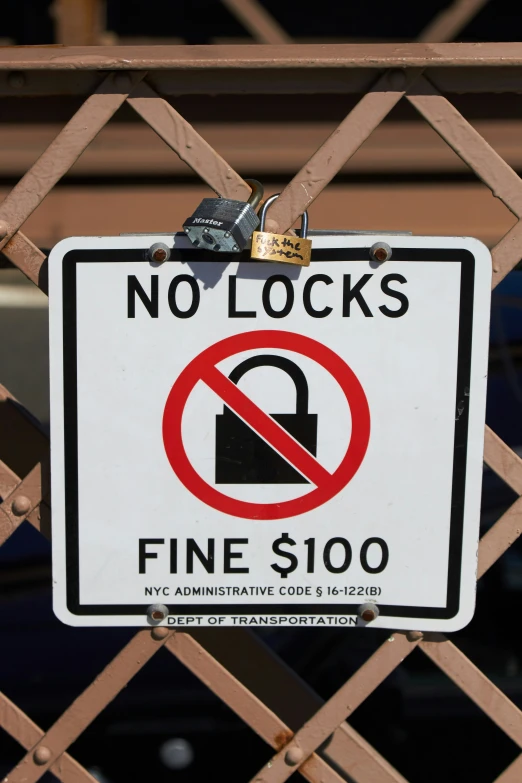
20,505
380,251
156,613
159,252
414,636
42,755
226,234
293,756
159,633
368,612
235,248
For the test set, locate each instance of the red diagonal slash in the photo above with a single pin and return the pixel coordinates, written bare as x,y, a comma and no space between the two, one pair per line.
265,426
203,367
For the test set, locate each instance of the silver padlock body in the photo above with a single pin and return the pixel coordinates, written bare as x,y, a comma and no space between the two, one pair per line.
222,225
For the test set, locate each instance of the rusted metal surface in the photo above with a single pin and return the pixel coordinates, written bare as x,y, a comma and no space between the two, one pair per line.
259,669
260,24
251,709
451,20
236,666
337,709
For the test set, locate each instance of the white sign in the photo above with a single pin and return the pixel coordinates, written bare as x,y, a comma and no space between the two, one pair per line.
256,444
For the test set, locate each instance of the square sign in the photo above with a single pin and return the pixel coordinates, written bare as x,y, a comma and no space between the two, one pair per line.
238,443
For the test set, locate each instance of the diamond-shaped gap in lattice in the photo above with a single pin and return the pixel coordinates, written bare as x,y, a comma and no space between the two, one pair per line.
24,349
459,134
43,679
435,731
133,738
127,180
68,145
405,177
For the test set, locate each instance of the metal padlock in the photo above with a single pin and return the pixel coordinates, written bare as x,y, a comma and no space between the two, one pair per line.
242,456
223,224
281,248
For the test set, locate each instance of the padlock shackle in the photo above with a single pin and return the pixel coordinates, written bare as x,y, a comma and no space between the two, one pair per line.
257,194
262,216
282,363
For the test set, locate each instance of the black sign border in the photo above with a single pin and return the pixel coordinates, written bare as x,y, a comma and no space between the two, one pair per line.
69,266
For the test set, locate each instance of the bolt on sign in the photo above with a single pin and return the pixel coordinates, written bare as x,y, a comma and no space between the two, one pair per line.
241,443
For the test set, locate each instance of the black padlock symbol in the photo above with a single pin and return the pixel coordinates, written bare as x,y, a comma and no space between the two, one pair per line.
242,456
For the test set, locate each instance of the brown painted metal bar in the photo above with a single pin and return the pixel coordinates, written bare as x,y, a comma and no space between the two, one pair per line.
503,460
507,253
23,500
475,684
66,148
513,773
16,723
78,22
28,258
329,717
8,480
187,143
446,25
39,517
500,537
283,80
260,24
346,139
22,441
276,148
469,145
447,209
250,709
301,56
86,707
282,691
317,730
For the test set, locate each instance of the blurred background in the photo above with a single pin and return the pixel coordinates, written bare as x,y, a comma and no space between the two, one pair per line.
166,726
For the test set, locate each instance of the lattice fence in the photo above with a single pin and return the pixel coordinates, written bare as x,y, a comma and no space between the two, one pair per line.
234,664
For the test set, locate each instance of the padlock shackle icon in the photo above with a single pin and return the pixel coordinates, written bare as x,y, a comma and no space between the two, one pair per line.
242,456
282,363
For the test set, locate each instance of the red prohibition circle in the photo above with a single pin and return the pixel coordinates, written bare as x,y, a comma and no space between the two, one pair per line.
262,339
